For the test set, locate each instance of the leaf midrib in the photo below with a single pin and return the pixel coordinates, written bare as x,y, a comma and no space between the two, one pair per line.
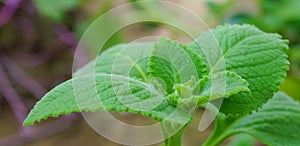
137,66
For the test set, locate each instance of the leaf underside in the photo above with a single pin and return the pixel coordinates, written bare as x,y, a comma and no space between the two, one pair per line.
276,124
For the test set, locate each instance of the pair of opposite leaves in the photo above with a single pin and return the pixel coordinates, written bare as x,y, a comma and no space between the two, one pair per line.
255,64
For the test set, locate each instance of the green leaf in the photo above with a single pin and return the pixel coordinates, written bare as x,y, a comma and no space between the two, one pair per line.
259,58
104,92
123,59
234,85
172,63
103,84
276,124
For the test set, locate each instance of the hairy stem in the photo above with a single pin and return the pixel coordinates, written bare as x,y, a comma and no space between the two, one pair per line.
173,139
219,134
23,79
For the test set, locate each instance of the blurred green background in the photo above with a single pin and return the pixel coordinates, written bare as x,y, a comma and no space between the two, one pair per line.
38,40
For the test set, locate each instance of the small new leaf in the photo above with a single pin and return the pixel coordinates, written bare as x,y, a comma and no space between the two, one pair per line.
171,63
221,84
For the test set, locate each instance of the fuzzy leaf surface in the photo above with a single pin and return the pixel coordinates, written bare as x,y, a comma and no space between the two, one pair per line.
108,92
104,84
234,85
258,57
172,63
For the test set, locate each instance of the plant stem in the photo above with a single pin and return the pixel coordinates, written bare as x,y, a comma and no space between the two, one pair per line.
174,140
219,134
22,78
40,132
8,11
12,97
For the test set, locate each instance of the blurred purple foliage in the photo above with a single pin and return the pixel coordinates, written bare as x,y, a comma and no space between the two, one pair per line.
12,74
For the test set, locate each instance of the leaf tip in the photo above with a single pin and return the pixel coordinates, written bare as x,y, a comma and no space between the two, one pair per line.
27,122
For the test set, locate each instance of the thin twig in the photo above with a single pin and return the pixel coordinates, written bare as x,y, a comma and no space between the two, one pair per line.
26,134
23,79
41,132
13,99
65,35
69,38
8,11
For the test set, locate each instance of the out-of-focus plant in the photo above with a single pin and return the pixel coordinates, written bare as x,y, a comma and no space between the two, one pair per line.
61,12
52,28
57,9
33,34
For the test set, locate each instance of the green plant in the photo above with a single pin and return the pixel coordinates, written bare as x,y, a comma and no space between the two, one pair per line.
176,77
